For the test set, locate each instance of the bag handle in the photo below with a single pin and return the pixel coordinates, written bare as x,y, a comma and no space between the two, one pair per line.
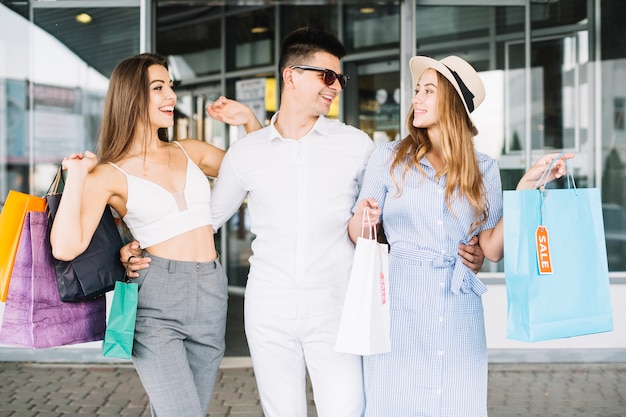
369,224
544,178
58,180
126,279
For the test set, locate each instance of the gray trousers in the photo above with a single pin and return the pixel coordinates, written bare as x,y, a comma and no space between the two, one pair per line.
179,334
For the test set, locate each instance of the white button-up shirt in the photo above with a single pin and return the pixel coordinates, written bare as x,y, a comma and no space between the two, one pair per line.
300,195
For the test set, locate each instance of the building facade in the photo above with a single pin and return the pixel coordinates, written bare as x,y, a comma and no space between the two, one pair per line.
554,72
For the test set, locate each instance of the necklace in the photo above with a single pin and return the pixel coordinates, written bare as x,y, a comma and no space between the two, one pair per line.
157,162
169,158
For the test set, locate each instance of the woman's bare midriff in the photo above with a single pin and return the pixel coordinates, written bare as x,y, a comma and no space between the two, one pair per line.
196,245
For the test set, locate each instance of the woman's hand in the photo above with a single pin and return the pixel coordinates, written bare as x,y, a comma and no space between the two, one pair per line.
233,113
532,179
362,223
86,161
373,211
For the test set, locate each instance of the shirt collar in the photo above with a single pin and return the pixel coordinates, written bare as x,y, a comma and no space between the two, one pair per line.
321,128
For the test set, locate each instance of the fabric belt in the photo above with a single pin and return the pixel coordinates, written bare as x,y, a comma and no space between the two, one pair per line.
463,278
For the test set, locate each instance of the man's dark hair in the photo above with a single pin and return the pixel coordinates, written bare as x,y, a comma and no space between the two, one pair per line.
303,42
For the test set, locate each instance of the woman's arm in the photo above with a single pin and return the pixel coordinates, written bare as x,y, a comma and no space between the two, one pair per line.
206,156
492,240
84,198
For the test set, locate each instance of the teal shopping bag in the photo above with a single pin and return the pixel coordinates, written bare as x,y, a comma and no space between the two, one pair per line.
574,299
120,329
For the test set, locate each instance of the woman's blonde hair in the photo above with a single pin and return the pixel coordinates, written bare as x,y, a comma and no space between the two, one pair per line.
463,177
126,104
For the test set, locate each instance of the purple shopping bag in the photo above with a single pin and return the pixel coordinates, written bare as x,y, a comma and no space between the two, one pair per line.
34,315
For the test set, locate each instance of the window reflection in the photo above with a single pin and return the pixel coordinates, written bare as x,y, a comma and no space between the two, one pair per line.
190,36
250,41
371,26
318,17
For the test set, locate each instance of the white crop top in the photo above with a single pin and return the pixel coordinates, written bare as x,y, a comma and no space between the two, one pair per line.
154,214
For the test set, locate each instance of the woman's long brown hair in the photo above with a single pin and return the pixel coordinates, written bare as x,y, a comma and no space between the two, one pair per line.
125,105
457,152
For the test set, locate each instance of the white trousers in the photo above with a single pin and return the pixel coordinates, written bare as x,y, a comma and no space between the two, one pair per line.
283,349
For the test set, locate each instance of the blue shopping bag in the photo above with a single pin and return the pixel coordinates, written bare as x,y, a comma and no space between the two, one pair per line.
574,299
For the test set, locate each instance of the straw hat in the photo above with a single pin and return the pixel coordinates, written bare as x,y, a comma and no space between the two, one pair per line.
462,75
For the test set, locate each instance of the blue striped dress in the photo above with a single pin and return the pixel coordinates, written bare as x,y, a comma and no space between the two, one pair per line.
438,363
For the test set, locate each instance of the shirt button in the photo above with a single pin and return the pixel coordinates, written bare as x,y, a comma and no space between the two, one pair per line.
438,392
441,284
440,223
439,353
440,319
197,266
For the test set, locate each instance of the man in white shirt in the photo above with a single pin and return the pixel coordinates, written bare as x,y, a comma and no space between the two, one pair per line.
301,176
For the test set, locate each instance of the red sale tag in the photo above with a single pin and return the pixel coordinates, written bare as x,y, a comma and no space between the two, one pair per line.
543,251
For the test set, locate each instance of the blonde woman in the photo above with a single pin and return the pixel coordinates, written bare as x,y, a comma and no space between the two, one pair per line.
433,192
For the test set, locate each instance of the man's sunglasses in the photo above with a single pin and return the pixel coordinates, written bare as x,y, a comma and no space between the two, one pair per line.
329,76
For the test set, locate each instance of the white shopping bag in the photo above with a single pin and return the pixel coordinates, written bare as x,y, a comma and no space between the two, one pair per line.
364,326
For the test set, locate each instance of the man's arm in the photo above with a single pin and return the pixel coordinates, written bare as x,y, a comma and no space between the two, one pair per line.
227,194
472,255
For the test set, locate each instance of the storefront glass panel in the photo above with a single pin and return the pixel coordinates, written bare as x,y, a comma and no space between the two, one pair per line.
319,17
191,38
612,129
551,14
250,39
54,88
371,26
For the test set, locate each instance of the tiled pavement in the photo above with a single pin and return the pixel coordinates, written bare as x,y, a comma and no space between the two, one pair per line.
515,390
41,385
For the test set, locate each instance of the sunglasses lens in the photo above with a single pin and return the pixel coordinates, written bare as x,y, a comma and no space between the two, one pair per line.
331,76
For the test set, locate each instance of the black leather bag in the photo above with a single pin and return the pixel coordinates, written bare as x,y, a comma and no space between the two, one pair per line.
95,271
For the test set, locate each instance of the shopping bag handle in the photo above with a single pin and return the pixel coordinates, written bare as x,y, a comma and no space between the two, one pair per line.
369,224
58,180
543,179
126,279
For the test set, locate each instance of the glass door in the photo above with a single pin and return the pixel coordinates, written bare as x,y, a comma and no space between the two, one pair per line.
373,96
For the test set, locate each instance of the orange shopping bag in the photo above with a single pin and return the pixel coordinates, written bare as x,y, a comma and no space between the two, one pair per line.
11,222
